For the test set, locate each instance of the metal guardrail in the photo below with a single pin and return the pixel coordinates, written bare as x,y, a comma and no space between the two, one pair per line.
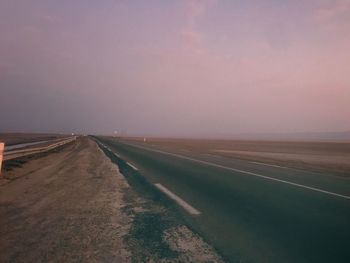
9,155
2,146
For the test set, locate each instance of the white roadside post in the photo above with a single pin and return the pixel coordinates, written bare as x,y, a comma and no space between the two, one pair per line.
2,146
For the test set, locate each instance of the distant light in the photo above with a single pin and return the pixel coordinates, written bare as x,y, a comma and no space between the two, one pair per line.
144,139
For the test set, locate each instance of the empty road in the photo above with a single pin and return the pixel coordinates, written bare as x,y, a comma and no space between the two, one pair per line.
250,212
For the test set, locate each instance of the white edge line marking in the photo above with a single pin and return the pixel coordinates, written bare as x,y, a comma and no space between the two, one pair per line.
134,167
244,172
116,154
190,209
272,165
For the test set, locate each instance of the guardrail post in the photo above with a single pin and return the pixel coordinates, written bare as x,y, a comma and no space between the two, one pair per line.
2,146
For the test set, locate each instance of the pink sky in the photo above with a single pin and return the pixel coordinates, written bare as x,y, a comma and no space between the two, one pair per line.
175,67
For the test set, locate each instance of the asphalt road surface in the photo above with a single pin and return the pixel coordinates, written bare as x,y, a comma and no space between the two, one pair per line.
251,212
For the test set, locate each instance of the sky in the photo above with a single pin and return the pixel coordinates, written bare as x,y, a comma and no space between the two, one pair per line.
174,68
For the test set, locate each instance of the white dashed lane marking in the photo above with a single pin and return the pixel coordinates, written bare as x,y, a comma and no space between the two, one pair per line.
190,209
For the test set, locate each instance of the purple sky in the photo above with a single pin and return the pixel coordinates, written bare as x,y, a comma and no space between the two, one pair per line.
181,67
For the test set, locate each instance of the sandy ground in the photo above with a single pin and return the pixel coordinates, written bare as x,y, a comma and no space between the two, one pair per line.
327,157
331,163
337,159
69,206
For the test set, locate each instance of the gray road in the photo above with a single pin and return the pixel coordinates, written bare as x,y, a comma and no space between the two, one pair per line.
252,212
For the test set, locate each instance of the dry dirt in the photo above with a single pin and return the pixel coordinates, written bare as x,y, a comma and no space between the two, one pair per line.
69,206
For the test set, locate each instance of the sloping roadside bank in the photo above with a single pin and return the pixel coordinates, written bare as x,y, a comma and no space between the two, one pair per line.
64,207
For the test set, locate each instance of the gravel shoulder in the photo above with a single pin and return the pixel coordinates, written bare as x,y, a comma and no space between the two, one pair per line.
73,205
